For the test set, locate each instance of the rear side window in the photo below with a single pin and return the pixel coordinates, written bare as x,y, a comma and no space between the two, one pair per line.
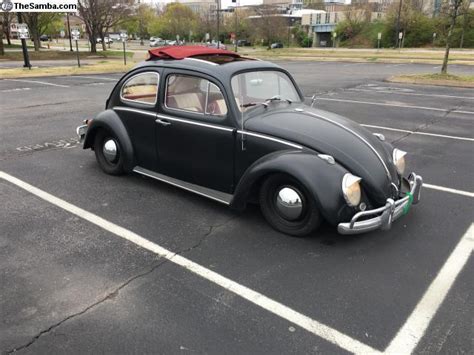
142,88
194,94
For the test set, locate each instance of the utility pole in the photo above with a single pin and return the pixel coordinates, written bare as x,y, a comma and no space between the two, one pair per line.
140,25
218,20
69,31
398,23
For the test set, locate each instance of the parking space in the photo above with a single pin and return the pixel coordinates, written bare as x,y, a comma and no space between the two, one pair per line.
75,284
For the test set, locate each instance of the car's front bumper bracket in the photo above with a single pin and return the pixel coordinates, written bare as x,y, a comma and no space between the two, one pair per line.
384,216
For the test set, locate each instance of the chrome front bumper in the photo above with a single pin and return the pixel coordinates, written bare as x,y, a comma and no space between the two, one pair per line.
81,132
384,215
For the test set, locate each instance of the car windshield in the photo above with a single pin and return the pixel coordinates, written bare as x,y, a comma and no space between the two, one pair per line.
261,87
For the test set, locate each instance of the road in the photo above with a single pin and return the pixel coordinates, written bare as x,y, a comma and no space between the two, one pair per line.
78,249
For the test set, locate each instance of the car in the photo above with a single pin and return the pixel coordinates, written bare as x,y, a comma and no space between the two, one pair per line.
44,38
238,131
243,43
276,45
157,42
213,44
107,40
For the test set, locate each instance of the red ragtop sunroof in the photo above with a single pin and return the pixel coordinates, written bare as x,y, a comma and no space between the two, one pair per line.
181,52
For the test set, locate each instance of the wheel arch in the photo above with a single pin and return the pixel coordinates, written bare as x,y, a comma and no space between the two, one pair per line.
109,121
321,179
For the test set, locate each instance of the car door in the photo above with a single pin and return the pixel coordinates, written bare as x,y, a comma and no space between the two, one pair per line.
137,110
195,139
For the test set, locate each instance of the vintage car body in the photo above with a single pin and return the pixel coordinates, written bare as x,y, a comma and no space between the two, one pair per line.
302,164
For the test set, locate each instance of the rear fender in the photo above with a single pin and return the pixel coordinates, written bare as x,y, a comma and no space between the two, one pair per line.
109,120
321,179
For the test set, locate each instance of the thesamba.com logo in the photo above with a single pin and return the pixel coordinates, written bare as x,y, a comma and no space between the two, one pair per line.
6,5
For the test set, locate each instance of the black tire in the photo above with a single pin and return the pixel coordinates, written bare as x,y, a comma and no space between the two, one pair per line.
310,217
110,167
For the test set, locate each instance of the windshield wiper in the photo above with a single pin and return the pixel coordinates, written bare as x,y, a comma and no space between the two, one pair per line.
266,102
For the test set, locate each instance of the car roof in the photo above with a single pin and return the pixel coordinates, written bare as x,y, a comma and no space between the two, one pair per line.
221,71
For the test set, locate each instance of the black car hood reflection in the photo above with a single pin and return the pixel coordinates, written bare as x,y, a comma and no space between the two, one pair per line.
351,145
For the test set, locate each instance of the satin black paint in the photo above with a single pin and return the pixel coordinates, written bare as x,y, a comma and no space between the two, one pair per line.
207,150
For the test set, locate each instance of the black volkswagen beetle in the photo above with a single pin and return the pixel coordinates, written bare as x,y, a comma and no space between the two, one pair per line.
236,130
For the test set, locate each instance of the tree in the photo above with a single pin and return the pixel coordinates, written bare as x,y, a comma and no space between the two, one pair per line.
177,19
2,51
7,20
451,9
39,23
268,25
101,15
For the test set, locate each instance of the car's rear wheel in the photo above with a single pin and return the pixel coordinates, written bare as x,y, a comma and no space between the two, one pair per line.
108,153
288,207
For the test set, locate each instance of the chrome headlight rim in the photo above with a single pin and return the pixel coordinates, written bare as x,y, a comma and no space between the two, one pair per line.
398,157
351,189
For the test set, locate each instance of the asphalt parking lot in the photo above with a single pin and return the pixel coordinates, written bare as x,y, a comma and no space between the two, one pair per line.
96,263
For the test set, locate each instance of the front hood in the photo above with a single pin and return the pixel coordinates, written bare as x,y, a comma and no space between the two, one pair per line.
353,146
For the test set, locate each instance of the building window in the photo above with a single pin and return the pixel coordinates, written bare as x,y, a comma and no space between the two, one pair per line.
326,19
336,17
318,19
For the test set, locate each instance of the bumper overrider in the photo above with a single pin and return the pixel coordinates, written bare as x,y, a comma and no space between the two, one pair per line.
384,216
81,132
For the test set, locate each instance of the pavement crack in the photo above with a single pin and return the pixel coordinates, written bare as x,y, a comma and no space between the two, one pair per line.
427,124
212,229
111,295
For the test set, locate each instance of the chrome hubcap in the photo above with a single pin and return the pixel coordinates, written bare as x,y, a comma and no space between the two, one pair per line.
289,203
110,150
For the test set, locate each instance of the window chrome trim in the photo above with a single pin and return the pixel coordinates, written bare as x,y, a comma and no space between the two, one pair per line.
358,136
196,123
138,101
271,139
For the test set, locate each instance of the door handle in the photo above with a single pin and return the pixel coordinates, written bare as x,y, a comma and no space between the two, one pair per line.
163,122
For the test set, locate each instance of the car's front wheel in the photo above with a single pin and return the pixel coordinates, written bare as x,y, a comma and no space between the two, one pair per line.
108,153
288,207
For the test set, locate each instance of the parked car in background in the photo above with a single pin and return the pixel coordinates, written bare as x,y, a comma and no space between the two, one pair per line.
44,38
157,42
237,130
276,45
243,43
213,44
107,40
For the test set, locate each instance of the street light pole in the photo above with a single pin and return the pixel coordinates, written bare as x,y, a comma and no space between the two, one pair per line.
218,20
140,25
69,31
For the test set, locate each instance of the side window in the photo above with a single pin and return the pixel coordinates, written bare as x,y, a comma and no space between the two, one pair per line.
141,88
193,94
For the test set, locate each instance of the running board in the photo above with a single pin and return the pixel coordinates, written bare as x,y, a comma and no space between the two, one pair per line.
215,195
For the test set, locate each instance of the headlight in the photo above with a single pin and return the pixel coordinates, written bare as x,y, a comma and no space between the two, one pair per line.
351,189
399,160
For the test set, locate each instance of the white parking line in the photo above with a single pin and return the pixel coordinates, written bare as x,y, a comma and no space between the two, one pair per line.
323,331
395,65
413,94
91,77
448,189
37,82
419,133
396,105
415,327
17,89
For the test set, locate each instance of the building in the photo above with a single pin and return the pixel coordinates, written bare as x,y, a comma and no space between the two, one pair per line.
201,7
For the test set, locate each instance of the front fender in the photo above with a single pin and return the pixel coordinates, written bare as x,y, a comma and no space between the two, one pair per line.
110,121
323,180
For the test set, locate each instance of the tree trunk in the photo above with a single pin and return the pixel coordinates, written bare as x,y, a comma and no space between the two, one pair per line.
104,48
93,45
2,51
36,42
444,67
